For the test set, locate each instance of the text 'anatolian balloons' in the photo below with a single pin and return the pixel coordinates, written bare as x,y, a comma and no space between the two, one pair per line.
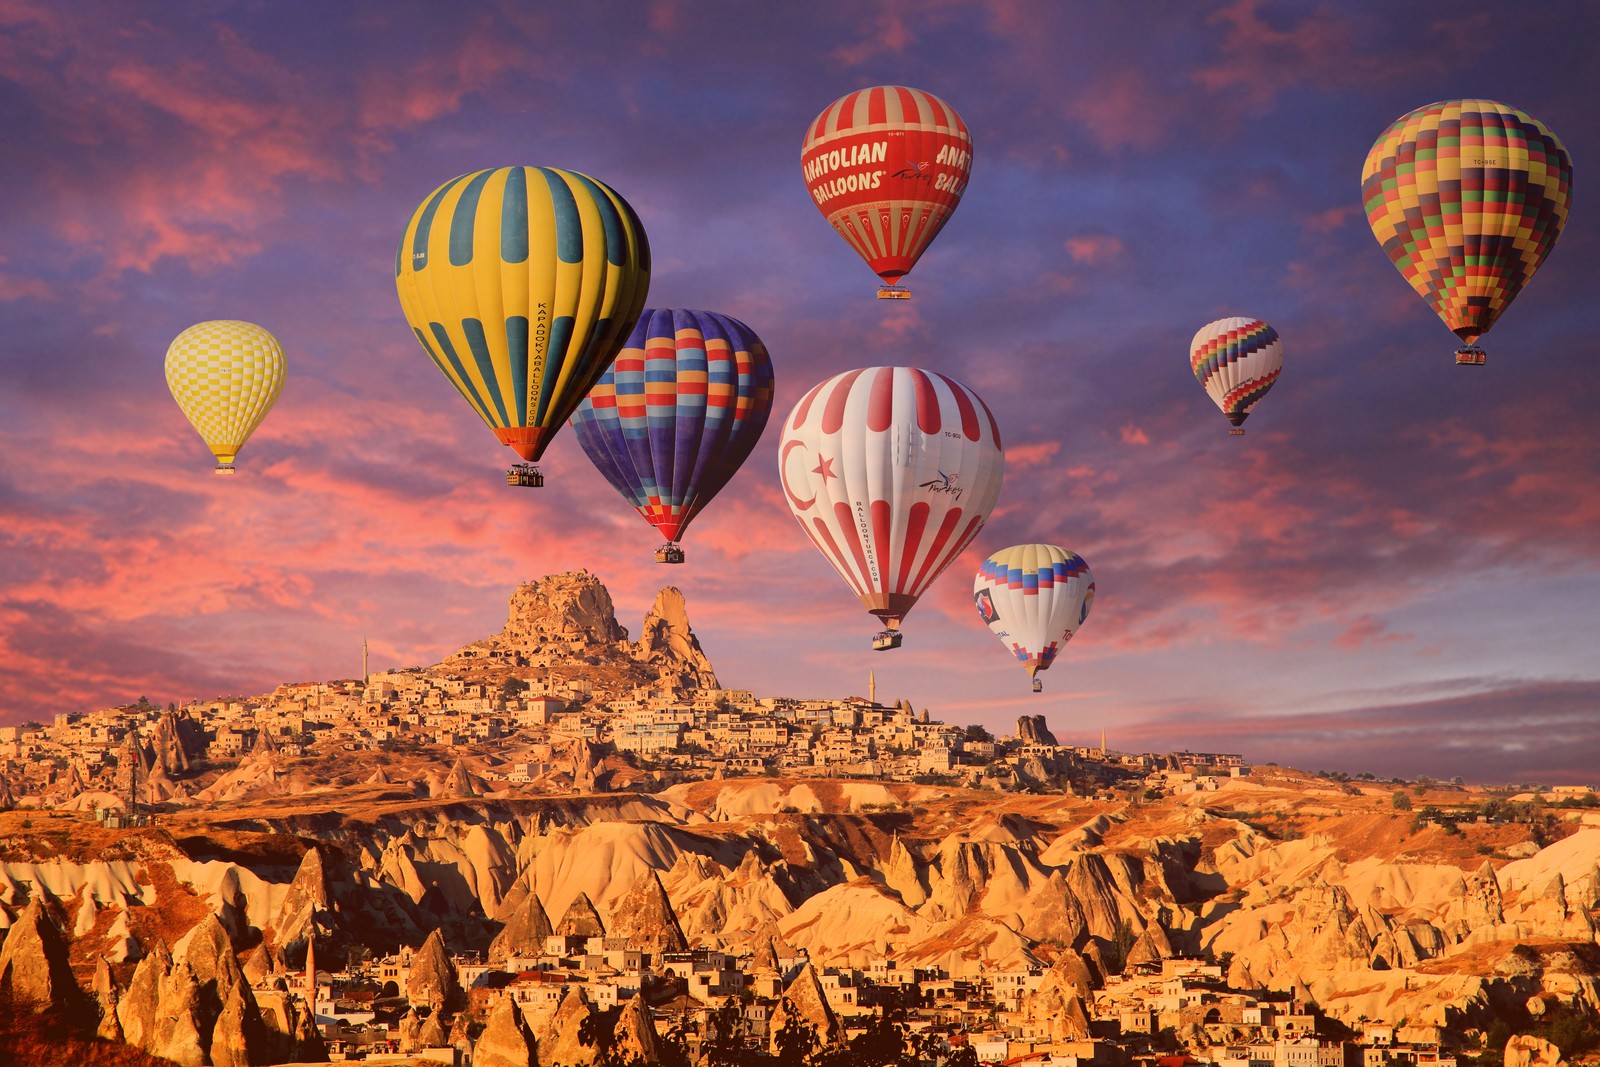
891,471
886,166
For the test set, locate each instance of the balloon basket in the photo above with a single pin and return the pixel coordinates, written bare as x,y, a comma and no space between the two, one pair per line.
669,553
225,468
893,292
1237,431
1038,685
1470,356
525,474
886,640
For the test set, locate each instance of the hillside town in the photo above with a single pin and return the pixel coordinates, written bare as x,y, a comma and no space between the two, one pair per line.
516,715
360,869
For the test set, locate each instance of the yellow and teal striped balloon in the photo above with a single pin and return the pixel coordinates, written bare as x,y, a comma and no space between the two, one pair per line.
225,376
522,283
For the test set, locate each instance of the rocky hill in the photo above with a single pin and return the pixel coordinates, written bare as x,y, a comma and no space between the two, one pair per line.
566,625
1297,887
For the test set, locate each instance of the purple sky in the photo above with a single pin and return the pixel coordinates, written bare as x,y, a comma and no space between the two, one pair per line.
1397,569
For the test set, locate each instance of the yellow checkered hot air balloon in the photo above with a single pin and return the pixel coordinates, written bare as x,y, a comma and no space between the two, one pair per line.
522,283
225,376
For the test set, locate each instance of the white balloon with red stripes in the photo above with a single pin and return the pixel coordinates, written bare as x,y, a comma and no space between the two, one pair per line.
891,471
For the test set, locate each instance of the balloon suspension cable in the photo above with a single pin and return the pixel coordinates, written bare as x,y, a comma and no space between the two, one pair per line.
891,291
885,640
225,468
1470,356
669,553
525,474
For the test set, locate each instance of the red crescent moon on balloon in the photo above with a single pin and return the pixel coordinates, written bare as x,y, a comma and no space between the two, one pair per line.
783,466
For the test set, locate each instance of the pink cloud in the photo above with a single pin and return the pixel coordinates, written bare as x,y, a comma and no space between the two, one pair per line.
1130,434
1094,249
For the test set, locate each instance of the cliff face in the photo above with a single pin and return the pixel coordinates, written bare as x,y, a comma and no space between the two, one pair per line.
573,607
569,618
667,643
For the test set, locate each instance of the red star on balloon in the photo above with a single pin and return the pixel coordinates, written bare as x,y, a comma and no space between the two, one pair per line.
824,467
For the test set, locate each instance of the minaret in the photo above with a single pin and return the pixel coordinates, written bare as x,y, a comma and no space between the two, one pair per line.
1102,742
311,970
363,661
872,689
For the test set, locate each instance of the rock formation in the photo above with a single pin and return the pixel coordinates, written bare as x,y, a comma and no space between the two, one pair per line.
1525,1050
566,606
581,919
525,932
1031,730
309,893
804,999
562,1041
645,917
433,1033
34,971
667,643
506,1041
432,982
105,995
634,1039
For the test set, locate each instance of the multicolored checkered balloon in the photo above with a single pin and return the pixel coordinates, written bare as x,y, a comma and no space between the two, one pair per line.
1467,197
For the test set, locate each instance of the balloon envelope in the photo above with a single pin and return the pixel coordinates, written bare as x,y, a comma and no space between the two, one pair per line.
1467,197
1034,598
891,471
677,413
886,166
521,283
225,376
1236,360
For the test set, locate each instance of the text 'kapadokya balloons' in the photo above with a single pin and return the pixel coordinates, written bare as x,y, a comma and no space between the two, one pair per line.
891,471
521,283
1467,197
886,166
1237,360
225,376
677,413
1034,598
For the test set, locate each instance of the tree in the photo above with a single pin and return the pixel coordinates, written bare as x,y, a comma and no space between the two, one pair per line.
512,687
975,732
1401,801
796,1039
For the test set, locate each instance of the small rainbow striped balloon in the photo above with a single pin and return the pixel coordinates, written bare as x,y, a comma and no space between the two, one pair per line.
1236,360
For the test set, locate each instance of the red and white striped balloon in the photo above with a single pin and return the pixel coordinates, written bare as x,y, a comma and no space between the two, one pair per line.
886,166
891,471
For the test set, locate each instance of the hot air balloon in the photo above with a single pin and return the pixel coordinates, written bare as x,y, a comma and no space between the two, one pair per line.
1034,598
225,376
1236,360
886,167
1467,197
891,471
521,283
677,413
